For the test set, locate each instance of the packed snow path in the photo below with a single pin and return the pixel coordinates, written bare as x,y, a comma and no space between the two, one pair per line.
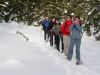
35,57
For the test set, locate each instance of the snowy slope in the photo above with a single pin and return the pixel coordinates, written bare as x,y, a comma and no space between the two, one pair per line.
35,57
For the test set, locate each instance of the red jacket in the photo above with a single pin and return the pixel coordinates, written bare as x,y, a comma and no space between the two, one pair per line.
65,27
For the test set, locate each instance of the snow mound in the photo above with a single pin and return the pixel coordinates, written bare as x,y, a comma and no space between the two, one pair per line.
12,62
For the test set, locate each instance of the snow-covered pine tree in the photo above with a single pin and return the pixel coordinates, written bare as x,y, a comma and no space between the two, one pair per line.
27,11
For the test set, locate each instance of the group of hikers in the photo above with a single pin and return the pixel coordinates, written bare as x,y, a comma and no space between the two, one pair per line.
63,35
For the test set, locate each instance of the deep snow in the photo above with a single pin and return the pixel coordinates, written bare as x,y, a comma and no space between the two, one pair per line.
36,57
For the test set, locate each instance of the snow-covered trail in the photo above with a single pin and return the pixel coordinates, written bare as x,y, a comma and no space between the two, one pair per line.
18,57
35,57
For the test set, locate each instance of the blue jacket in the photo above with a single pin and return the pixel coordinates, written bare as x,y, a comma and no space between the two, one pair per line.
76,31
46,23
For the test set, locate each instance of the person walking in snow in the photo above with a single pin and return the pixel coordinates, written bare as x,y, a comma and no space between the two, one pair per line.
51,32
63,19
57,30
45,24
66,33
76,35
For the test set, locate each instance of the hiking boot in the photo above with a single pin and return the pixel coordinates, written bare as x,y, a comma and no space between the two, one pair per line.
58,50
79,62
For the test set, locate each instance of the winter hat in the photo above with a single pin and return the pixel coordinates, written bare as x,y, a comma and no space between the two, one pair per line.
57,19
77,17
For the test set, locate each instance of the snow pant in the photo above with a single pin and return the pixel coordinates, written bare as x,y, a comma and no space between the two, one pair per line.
51,38
62,44
46,33
66,41
73,42
57,41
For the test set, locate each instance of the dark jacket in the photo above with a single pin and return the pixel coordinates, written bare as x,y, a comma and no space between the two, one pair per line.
45,23
51,25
